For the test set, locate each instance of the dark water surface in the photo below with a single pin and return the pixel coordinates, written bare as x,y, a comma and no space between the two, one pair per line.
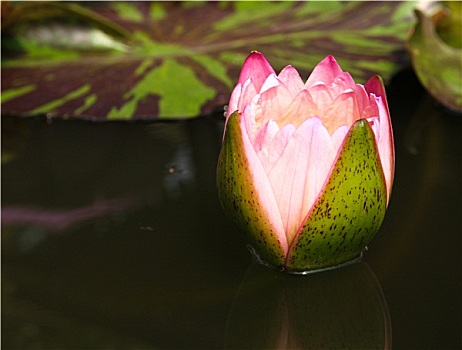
113,238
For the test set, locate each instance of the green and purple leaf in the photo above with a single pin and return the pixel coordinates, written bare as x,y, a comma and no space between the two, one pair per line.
148,60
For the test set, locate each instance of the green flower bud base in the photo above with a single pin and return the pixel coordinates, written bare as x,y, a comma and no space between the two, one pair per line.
260,261
349,211
344,219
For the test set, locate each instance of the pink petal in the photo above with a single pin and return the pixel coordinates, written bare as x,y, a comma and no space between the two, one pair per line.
256,67
374,123
270,82
264,137
343,111
290,77
233,101
325,72
300,173
300,109
321,97
372,109
247,94
339,136
366,104
279,143
272,103
341,82
262,184
251,125
275,140
386,144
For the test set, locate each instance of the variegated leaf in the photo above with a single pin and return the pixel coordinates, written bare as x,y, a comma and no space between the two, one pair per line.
147,60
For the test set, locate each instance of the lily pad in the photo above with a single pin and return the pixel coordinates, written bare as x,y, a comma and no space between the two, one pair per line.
148,60
449,27
438,64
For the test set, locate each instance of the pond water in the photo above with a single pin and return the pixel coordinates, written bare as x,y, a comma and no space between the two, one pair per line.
113,238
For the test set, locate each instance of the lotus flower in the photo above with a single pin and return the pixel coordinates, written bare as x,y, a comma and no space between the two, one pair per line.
306,168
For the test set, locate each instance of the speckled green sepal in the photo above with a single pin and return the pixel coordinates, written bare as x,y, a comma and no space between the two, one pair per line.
348,212
239,197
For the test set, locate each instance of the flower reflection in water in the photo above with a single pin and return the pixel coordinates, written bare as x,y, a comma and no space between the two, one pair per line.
338,309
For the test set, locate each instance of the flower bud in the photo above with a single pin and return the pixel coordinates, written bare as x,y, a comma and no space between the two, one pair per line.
306,168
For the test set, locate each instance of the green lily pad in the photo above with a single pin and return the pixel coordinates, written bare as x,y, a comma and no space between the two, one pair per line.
148,60
437,64
449,27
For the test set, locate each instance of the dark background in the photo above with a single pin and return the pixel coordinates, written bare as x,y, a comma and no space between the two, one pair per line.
113,237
